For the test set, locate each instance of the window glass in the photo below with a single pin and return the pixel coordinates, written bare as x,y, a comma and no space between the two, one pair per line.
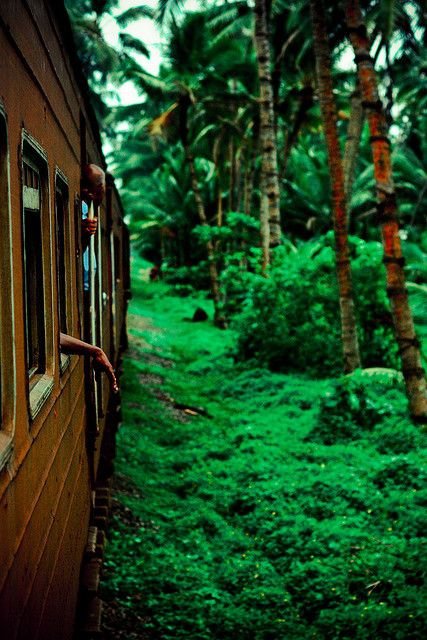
7,349
99,339
62,253
33,266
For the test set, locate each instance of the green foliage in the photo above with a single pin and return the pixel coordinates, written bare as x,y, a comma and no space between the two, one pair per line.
356,403
289,321
196,277
296,511
205,233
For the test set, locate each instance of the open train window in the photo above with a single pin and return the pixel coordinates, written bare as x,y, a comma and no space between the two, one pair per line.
63,262
113,291
33,264
37,252
99,304
7,351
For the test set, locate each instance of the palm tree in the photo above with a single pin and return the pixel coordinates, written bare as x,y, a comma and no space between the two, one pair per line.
184,105
101,62
270,204
328,108
388,215
196,81
352,142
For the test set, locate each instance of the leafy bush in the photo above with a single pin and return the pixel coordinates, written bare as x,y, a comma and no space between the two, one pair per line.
194,276
290,321
396,435
355,404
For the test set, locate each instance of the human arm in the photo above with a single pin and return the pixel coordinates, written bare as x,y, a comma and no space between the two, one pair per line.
72,345
89,228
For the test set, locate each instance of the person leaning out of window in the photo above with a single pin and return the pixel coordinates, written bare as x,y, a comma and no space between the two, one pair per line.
100,361
93,190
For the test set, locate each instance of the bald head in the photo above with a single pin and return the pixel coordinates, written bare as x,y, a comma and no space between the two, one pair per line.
93,183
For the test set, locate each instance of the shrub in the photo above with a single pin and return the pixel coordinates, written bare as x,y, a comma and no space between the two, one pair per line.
396,435
290,321
355,404
194,276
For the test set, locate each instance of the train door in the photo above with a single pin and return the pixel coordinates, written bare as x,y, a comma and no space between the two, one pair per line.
7,342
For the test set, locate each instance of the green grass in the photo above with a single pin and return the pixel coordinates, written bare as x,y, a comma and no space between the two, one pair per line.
295,511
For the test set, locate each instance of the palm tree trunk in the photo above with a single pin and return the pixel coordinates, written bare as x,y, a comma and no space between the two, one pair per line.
219,211
231,175
270,180
352,143
238,178
264,227
409,350
247,188
219,319
305,100
329,115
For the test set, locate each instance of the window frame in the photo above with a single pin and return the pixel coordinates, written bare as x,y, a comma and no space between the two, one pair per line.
32,210
40,385
7,309
98,337
62,187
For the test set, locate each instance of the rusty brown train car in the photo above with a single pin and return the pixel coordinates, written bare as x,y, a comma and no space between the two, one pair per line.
57,423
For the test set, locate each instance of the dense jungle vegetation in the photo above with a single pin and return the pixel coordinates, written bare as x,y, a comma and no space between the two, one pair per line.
273,174
255,505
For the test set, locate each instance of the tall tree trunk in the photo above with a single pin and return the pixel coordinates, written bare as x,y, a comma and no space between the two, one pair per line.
354,134
352,143
251,165
264,227
329,115
248,187
305,100
269,180
216,157
219,211
219,319
232,175
388,216
238,178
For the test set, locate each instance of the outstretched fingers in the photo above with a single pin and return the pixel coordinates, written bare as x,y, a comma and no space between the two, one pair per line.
101,361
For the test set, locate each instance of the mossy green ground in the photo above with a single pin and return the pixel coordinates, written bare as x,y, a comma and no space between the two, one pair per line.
243,524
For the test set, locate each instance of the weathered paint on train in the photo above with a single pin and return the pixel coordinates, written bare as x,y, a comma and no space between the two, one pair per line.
50,457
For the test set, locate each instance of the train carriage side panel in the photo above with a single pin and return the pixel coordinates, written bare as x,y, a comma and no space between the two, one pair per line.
45,489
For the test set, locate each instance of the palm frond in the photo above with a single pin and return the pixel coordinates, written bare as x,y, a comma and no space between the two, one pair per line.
134,13
167,6
130,42
157,126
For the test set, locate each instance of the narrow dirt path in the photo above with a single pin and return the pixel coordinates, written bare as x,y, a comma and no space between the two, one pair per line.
121,622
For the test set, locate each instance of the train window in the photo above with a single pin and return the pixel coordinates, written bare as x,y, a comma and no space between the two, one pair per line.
37,258
63,262
7,341
117,259
33,262
92,267
99,337
113,290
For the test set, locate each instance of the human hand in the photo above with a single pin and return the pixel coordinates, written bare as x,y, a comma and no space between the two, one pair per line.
101,362
89,226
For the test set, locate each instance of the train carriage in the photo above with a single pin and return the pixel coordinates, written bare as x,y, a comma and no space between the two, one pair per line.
57,422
